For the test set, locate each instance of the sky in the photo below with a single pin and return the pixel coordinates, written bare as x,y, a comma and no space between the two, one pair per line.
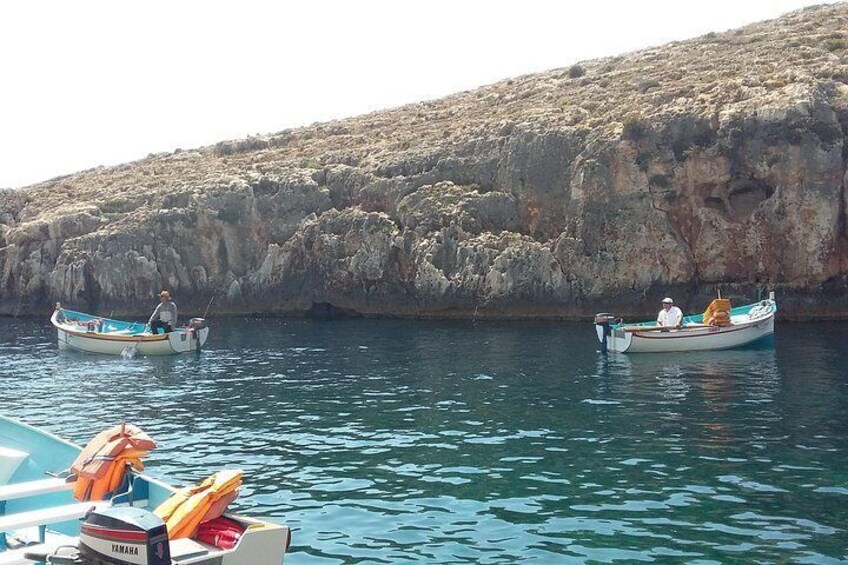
88,83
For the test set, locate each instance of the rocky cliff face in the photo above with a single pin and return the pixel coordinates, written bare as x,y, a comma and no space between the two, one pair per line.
716,162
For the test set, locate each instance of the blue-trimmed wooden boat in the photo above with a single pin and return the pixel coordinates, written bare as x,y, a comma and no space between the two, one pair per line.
746,325
84,332
40,516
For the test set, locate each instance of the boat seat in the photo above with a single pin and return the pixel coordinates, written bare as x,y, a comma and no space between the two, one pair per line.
33,488
44,516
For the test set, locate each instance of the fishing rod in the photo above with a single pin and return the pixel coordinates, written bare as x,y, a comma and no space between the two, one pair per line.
208,305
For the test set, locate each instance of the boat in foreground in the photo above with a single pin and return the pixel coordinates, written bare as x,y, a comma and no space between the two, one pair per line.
92,334
740,326
41,505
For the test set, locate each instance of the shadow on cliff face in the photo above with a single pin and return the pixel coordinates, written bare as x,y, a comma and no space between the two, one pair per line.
741,198
326,311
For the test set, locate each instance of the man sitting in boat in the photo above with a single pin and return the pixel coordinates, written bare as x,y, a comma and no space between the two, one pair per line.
670,316
165,314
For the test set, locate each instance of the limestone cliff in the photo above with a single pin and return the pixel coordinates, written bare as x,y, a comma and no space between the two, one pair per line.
719,161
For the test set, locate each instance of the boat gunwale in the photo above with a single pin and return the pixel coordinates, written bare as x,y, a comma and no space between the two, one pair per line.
43,432
78,448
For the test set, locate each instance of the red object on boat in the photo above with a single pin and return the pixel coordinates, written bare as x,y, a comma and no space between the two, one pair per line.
220,532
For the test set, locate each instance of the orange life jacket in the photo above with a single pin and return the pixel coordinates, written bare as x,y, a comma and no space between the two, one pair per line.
719,305
101,465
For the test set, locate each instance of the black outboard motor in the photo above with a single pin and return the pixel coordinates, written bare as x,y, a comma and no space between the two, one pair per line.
603,321
124,536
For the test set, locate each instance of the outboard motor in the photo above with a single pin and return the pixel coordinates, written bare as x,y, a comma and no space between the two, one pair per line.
194,327
123,536
602,325
115,536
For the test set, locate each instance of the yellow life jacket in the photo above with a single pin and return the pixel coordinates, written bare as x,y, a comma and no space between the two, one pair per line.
101,465
190,506
718,313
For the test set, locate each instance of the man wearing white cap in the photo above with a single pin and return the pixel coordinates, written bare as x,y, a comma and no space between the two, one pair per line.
670,316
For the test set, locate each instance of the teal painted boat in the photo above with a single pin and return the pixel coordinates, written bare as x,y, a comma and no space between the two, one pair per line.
79,331
42,521
741,326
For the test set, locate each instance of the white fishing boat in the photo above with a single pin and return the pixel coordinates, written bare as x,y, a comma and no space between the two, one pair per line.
83,332
48,485
738,327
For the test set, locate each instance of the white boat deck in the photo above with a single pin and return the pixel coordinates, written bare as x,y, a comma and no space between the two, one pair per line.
16,556
34,488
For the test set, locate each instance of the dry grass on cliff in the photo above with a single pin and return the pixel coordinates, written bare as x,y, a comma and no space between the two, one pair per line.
603,99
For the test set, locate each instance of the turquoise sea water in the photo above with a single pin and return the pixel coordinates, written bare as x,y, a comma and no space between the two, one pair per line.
445,442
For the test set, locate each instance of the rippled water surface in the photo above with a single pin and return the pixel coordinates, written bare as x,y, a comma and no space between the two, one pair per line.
436,442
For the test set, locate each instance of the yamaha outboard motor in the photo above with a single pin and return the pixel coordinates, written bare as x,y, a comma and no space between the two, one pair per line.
115,536
602,324
124,536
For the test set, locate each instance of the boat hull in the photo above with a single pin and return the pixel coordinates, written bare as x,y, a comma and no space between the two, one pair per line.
114,337
750,324
700,339
166,344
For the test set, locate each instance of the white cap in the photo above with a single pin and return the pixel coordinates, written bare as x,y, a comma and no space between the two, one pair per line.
667,300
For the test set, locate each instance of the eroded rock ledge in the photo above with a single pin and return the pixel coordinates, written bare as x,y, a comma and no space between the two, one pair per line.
716,162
